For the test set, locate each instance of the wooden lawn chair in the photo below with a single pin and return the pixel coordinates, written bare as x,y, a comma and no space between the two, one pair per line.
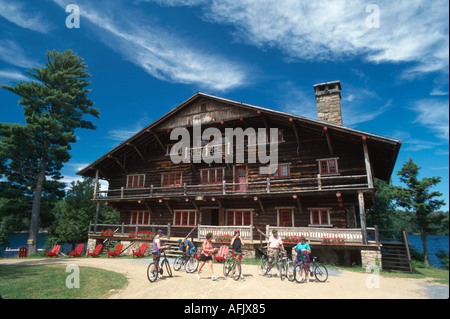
23,251
77,252
116,252
54,252
95,252
223,252
141,252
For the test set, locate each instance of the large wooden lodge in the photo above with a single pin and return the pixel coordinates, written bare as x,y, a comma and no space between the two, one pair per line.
321,187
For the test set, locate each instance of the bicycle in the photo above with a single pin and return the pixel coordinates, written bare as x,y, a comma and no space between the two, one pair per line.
189,262
263,265
153,270
318,270
233,264
285,266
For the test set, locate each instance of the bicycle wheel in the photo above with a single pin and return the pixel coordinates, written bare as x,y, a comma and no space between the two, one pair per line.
290,270
178,263
191,265
282,269
227,266
262,266
167,265
321,273
299,273
152,272
236,270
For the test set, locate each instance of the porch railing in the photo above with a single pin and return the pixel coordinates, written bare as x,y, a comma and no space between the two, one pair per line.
266,186
351,235
246,232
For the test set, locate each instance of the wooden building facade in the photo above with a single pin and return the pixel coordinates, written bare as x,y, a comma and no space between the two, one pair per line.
321,185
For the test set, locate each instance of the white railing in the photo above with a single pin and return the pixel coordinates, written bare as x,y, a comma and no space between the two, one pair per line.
246,232
351,235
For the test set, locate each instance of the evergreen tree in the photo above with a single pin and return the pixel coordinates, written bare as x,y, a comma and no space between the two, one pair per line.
54,107
418,200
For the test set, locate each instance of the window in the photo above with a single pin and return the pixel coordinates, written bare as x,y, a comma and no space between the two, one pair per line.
328,166
285,216
281,170
239,217
140,218
135,181
171,179
184,218
320,216
211,176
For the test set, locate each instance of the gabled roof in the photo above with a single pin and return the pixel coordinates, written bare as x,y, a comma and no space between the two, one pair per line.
392,146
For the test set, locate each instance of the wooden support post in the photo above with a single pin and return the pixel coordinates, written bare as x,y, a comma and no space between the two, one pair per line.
118,163
268,185
362,216
319,182
158,140
330,147
367,162
96,184
299,204
138,152
262,207
297,136
168,207
97,211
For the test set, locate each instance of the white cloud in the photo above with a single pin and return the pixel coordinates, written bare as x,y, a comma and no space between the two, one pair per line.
413,144
24,16
176,3
434,115
410,31
13,54
161,54
12,75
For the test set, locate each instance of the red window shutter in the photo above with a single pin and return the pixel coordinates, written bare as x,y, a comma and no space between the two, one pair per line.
133,218
247,218
230,218
219,175
192,218
178,178
177,218
315,217
184,218
238,218
324,217
141,181
285,216
212,176
323,167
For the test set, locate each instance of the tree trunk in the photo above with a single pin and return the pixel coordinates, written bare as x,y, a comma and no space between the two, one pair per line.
423,236
36,208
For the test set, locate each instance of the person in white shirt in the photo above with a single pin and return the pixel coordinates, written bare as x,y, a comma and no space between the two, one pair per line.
273,248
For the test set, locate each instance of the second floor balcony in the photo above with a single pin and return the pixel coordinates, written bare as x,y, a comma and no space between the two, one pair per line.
265,186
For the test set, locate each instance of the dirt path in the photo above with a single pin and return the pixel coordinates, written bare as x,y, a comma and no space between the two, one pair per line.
345,285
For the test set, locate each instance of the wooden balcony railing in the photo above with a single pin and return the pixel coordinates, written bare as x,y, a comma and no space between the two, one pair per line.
267,186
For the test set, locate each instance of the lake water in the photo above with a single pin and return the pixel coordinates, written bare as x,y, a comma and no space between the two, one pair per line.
18,240
435,243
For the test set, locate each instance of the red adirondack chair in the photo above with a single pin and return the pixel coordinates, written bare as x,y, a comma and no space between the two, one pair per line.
23,251
223,252
116,252
77,252
54,252
95,252
141,252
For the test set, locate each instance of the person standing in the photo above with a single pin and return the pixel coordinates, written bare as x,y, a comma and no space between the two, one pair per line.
236,245
206,256
158,247
274,245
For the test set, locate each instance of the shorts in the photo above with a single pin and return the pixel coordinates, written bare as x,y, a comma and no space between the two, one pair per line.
273,253
205,258
156,258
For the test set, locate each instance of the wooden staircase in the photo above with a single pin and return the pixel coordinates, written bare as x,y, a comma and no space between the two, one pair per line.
395,254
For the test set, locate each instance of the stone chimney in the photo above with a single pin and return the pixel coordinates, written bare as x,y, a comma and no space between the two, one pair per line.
328,99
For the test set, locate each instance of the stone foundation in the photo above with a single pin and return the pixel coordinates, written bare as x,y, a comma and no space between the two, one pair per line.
371,258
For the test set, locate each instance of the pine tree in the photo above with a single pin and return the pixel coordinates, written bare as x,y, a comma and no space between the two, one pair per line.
54,107
418,200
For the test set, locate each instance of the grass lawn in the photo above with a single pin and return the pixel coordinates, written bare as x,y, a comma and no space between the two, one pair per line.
49,282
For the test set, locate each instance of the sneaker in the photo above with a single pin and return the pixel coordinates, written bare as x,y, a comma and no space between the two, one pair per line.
197,276
269,275
242,276
214,277
307,279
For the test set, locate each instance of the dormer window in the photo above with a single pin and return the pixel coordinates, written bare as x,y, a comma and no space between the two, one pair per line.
135,181
328,166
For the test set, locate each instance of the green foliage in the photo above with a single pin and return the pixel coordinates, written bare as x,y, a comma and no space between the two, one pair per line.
32,155
76,211
383,210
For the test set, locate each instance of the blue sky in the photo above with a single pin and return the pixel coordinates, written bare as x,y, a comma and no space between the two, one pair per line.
148,56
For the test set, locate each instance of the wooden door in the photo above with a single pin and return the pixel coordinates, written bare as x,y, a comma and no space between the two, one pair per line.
240,176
